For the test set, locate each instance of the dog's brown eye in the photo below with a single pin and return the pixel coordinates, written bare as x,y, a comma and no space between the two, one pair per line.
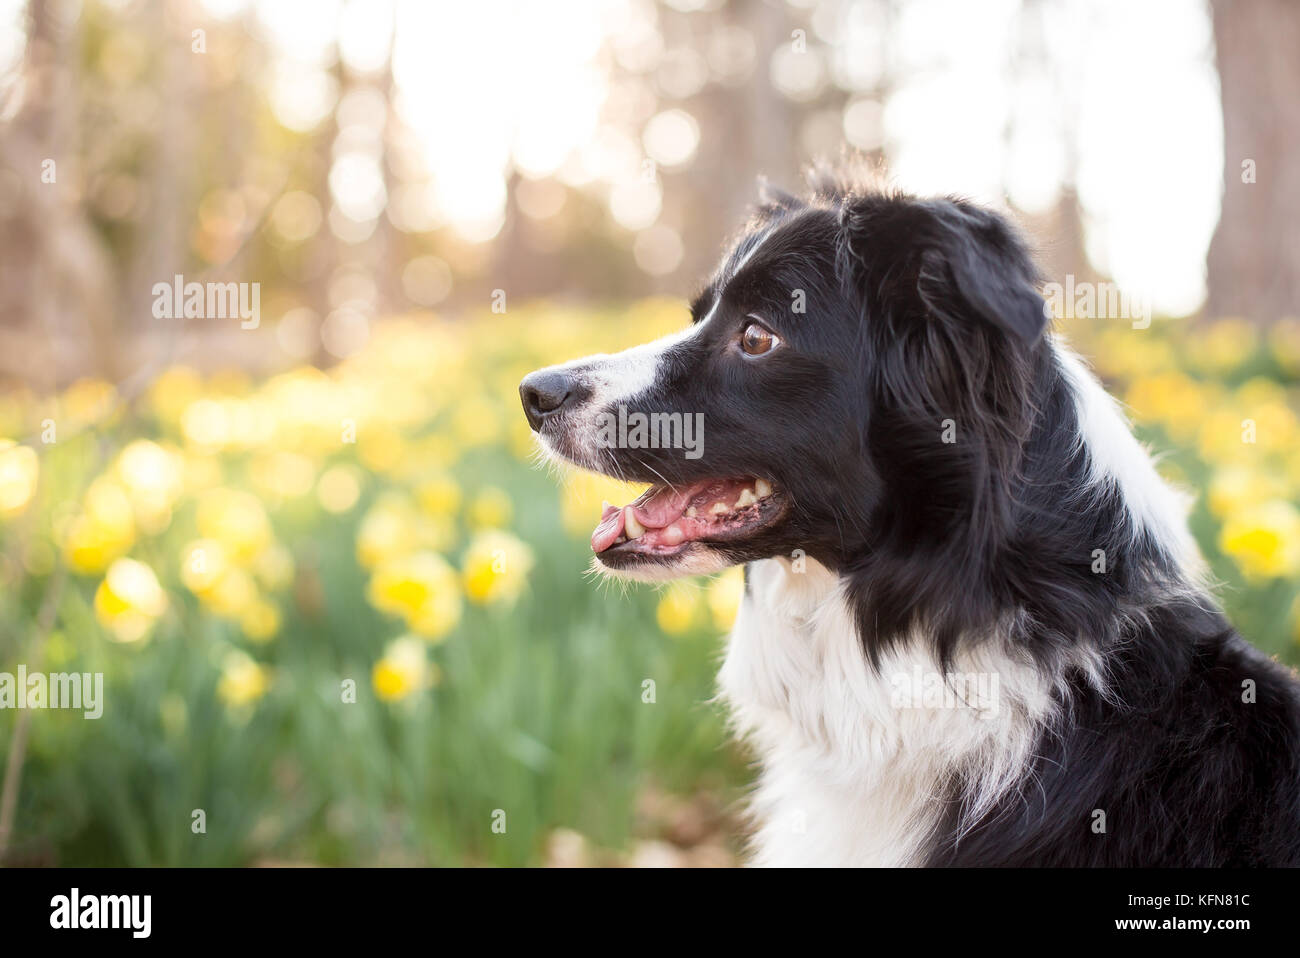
756,340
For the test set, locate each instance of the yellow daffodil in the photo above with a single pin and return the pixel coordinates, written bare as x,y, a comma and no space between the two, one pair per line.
89,401
380,448
129,600
148,469
200,472
236,519
153,477
243,680
1284,341
422,588
339,488
404,670
1272,425
387,531
496,567
19,470
203,563
1264,539
440,496
103,531
282,475
1234,487
393,527
1170,399
725,593
173,391
260,620
205,424
1223,346
491,509
1125,353
1224,435
231,594
231,591
677,606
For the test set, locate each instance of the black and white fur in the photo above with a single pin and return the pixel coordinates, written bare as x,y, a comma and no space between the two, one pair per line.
1133,725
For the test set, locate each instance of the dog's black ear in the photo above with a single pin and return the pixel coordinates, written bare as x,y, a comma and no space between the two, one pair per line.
975,263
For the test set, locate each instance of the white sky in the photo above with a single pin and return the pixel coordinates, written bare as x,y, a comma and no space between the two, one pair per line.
1137,85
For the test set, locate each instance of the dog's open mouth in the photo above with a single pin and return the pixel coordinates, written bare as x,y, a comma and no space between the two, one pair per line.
663,521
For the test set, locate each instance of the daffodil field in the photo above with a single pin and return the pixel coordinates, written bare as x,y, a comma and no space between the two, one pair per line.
1217,403
343,614
346,615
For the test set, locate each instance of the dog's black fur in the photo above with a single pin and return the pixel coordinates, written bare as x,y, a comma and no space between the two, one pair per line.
922,315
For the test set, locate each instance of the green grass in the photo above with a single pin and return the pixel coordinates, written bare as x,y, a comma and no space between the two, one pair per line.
539,713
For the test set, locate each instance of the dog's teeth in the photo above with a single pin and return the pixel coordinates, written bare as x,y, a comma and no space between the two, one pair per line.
719,509
605,504
763,488
692,512
633,528
746,498
673,535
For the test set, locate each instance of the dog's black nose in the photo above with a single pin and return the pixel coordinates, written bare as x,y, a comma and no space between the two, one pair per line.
546,392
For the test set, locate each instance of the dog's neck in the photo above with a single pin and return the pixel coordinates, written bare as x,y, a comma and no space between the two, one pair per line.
843,741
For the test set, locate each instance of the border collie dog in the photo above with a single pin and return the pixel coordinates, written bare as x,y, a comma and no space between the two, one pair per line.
974,629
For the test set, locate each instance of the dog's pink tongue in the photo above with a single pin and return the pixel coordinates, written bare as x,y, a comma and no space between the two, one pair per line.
661,506
655,508
610,528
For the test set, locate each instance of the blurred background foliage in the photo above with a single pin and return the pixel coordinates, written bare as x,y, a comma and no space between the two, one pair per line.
337,604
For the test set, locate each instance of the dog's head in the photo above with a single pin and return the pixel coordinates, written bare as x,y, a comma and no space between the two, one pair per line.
860,368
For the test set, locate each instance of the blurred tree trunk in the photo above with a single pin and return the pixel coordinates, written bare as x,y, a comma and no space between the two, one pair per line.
390,241
161,250
770,117
327,252
1254,259
55,289
747,130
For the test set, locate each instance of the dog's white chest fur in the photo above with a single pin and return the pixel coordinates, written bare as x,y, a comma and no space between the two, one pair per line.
849,775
